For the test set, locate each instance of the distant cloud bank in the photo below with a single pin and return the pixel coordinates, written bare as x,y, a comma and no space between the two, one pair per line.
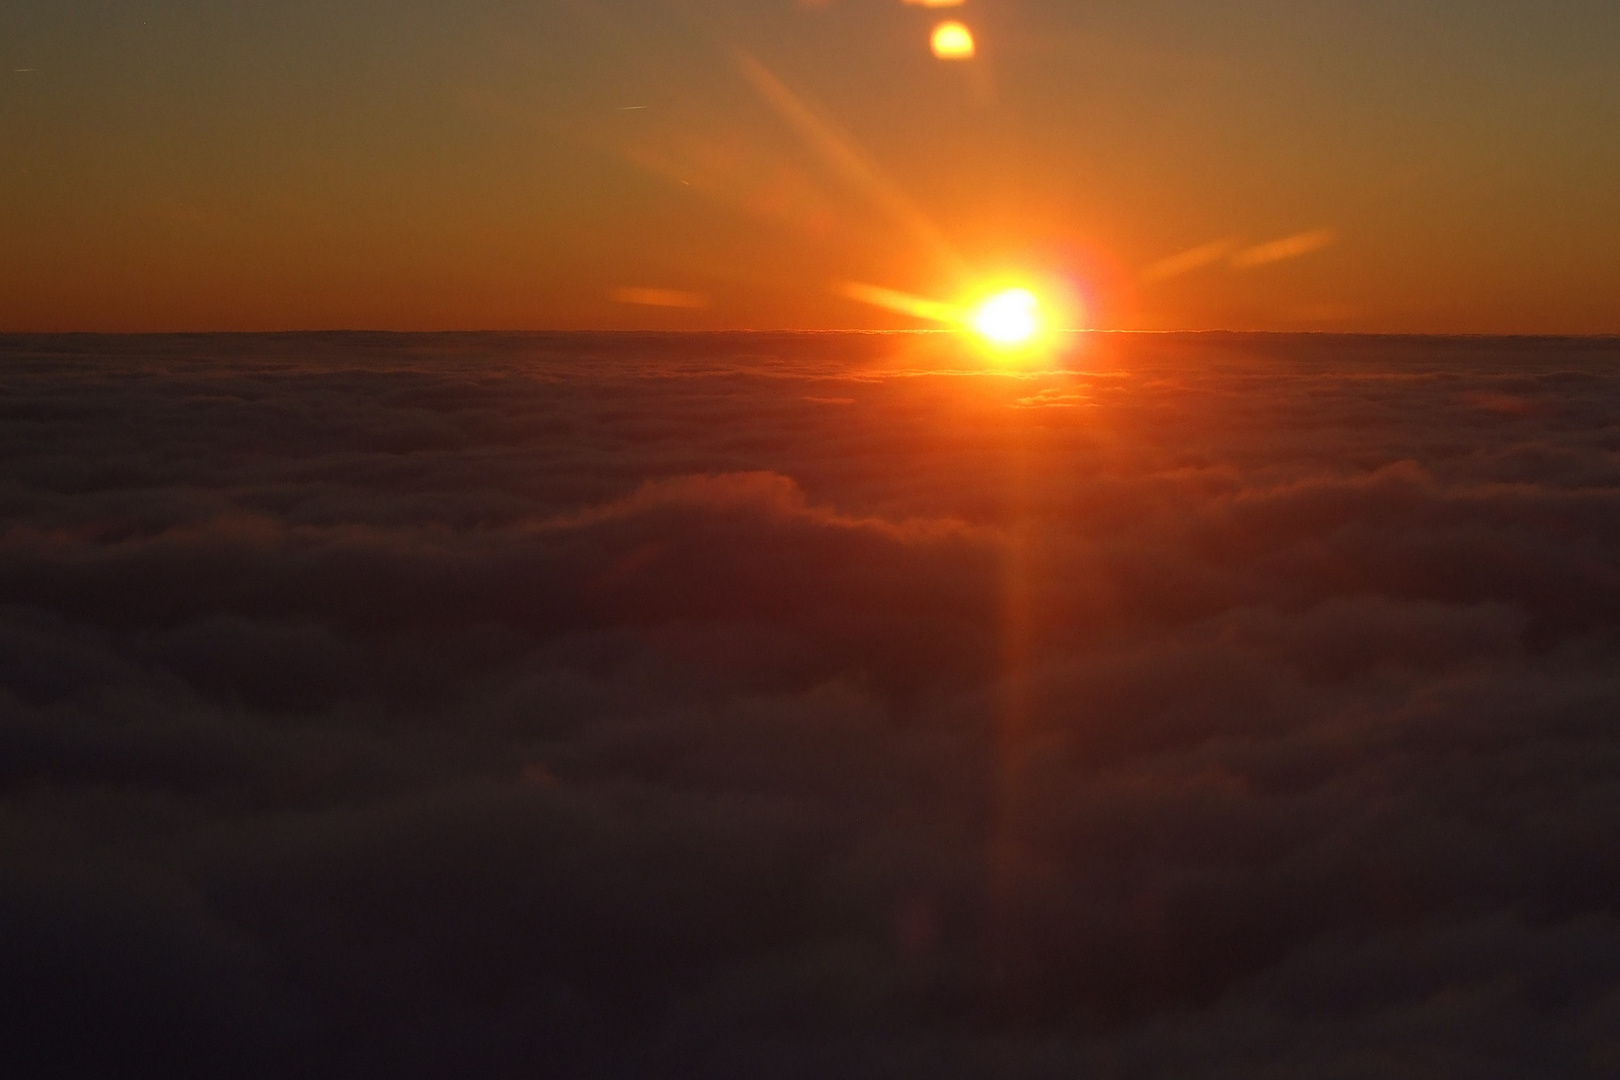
378,706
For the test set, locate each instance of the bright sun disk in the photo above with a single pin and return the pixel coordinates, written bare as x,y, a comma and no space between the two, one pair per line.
1011,317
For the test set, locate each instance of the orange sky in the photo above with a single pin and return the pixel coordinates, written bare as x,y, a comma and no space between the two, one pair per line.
1382,166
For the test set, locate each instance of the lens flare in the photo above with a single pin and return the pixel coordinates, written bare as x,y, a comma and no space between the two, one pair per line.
952,41
1009,318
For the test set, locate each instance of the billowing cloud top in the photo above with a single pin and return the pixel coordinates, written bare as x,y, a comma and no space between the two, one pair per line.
811,705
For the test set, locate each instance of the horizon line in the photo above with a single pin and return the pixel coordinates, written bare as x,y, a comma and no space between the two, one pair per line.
852,331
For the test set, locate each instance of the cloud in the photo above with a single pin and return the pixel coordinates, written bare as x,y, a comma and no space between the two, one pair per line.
1289,247
1247,258
1186,262
610,705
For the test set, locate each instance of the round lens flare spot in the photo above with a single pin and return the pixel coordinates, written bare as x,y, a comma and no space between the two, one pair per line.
952,41
1008,318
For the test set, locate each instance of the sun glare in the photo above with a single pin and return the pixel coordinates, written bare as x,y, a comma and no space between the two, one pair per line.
1009,318
1015,320
952,41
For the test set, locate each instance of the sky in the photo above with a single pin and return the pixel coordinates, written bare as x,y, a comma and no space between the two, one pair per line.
1417,166
806,706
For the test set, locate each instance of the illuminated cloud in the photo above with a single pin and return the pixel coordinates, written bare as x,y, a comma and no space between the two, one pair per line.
935,3
952,41
1289,247
1053,399
1215,251
655,297
1193,259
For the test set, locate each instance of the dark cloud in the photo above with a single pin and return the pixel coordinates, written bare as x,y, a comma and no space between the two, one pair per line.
613,706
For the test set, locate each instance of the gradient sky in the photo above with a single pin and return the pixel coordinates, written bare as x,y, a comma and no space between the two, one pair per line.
1372,165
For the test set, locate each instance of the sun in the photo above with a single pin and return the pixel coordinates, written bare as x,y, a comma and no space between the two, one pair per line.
1008,319
1013,320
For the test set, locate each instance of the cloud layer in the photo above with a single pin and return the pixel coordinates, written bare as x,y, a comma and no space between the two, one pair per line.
809,705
